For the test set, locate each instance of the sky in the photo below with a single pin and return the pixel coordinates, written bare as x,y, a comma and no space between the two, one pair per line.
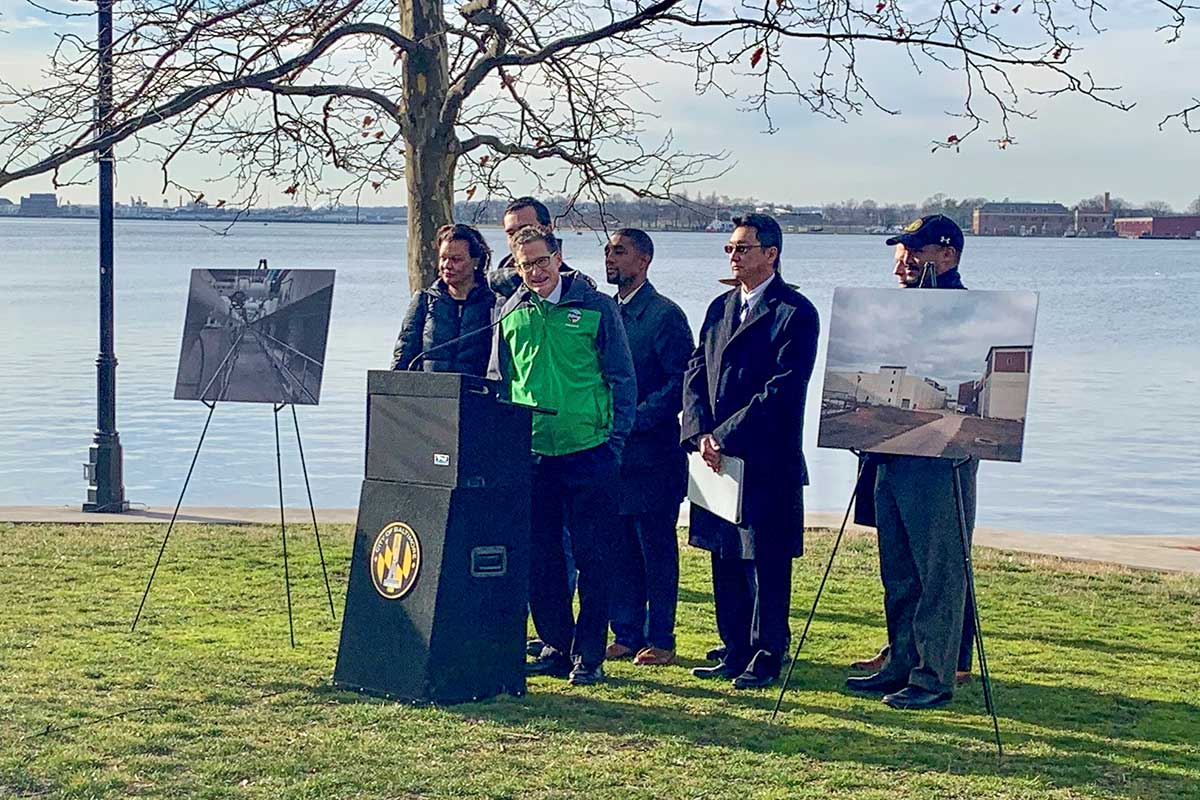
1074,149
940,335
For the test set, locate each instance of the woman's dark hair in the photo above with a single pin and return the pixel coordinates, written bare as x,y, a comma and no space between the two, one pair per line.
477,247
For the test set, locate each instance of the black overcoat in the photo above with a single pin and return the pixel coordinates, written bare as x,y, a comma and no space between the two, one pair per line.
747,388
654,467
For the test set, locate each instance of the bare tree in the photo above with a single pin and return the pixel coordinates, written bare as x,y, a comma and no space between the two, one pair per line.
1159,208
345,96
1194,206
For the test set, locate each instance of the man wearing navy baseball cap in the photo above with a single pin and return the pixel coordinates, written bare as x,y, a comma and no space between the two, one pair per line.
911,502
927,253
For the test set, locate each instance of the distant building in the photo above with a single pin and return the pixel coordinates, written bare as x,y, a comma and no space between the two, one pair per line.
799,221
1174,227
968,397
1091,221
890,386
39,205
1004,390
7,207
1021,219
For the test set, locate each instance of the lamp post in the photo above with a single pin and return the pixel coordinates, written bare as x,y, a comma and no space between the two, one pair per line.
106,488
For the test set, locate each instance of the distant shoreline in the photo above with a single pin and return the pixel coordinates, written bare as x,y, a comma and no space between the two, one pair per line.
832,230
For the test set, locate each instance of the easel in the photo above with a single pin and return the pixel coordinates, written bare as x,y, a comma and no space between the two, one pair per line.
928,272
277,407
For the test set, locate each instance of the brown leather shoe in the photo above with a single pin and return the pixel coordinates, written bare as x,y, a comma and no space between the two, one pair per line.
873,664
617,651
654,657
963,677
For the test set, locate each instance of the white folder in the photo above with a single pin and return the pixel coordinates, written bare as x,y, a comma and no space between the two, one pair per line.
718,492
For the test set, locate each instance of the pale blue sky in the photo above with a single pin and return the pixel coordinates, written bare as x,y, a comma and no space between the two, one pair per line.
1074,149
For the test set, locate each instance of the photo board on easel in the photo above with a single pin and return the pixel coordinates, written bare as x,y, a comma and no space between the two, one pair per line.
255,336
921,372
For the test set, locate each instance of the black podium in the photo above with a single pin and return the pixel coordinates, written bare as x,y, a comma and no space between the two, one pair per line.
435,608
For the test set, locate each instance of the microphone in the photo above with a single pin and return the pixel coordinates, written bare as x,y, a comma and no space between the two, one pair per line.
419,357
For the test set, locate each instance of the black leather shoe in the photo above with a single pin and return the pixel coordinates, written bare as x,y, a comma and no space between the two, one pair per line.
583,675
534,647
914,697
550,662
762,670
879,683
719,671
716,654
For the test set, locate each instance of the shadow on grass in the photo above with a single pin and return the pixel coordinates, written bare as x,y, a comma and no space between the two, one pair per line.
1094,739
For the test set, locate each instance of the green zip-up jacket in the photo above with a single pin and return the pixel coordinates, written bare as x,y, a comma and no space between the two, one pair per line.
573,358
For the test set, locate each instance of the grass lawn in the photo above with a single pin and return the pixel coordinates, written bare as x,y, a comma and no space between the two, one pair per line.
1094,672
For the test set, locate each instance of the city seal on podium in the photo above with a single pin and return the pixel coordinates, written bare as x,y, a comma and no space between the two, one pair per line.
395,560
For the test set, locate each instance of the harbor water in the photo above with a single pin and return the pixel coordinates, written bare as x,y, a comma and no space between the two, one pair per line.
1112,442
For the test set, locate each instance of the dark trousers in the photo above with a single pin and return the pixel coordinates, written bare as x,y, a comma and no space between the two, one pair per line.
577,490
924,585
645,588
753,599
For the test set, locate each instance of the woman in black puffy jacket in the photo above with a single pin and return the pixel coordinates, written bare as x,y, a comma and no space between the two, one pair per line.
458,303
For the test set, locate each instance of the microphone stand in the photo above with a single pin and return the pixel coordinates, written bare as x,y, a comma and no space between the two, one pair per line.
419,357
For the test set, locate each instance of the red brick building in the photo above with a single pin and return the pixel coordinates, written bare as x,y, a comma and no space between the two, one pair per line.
1175,227
1022,219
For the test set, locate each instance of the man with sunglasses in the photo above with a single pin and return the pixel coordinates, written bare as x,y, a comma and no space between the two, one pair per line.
560,346
743,396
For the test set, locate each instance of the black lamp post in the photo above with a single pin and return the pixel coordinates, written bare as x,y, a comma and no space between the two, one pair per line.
106,487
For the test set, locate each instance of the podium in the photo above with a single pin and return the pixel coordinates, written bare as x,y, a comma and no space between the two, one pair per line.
436,603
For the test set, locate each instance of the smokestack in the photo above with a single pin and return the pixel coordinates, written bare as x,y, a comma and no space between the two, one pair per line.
1107,204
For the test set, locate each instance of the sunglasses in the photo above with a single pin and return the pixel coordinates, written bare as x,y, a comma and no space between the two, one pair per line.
740,249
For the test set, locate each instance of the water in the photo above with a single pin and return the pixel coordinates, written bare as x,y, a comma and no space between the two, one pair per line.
1111,441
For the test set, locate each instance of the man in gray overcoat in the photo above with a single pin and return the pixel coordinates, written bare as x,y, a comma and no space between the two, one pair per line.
743,396
645,586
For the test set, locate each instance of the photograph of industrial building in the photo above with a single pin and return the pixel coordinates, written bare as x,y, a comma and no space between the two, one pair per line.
255,336
928,373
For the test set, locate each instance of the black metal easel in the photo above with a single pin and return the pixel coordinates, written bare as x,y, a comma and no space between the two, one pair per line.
212,405
969,570
968,566
820,589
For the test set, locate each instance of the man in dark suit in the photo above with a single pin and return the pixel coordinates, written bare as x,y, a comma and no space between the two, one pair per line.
743,396
653,469
916,514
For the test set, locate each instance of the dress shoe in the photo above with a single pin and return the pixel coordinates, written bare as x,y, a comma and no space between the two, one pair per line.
719,671
654,657
584,675
617,651
916,698
534,647
962,677
879,683
762,670
551,663
715,654
875,663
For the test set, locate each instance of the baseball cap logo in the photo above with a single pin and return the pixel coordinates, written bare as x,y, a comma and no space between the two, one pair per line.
915,225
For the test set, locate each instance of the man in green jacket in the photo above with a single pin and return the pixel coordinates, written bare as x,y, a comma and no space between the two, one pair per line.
560,346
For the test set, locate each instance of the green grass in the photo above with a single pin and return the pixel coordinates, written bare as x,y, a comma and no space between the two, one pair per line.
1094,673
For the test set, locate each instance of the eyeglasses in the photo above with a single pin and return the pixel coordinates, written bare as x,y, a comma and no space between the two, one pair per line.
537,263
740,249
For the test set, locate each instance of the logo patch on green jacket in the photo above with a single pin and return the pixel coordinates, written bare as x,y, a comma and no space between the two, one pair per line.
573,317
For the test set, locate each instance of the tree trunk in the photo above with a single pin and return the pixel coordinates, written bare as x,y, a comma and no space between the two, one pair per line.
429,153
